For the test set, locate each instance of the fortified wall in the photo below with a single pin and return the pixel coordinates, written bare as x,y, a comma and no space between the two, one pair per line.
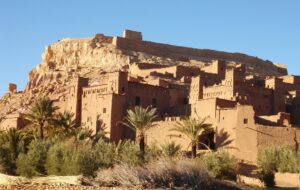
165,50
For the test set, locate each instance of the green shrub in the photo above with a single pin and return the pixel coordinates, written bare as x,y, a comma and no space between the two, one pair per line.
84,162
33,163
268,160
104,153
12,143
170,149
288,160
221,164
271,160
84,159
58,160
129,153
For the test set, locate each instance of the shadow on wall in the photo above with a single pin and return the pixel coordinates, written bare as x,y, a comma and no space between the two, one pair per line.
223,140
101,129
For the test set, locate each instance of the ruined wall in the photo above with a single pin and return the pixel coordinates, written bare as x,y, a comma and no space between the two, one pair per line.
174,71
177,52
270,136
146,72
134,35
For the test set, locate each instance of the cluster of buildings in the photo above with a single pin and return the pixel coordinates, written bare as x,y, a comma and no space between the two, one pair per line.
248,113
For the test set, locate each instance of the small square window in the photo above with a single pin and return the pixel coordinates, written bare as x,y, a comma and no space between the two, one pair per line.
137,101
154,102
245,121
104,110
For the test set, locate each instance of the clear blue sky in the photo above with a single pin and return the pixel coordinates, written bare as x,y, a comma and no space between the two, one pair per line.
269,29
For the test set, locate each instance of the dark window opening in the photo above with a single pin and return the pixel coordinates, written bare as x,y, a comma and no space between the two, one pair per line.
245,121
206,141
185,101
104,110
289,109
137,101
123,89
154,102
192,73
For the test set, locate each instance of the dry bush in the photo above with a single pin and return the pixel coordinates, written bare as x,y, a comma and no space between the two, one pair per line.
162,173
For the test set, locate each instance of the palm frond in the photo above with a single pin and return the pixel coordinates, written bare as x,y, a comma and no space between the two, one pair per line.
140,119
192,128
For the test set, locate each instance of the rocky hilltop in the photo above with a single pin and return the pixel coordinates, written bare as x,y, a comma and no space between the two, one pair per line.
89,57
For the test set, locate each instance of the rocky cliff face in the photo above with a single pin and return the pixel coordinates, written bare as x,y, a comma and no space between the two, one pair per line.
89,57
70,57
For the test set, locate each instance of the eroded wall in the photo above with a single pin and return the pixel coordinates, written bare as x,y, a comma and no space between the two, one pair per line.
270,136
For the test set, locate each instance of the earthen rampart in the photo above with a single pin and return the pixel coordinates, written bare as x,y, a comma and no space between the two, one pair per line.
166,50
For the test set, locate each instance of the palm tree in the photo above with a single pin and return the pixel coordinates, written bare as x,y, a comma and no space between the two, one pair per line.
140,120
192,129
41,114
66,122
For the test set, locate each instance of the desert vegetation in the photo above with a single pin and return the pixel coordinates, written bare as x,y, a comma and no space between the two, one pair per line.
54,144
284,159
